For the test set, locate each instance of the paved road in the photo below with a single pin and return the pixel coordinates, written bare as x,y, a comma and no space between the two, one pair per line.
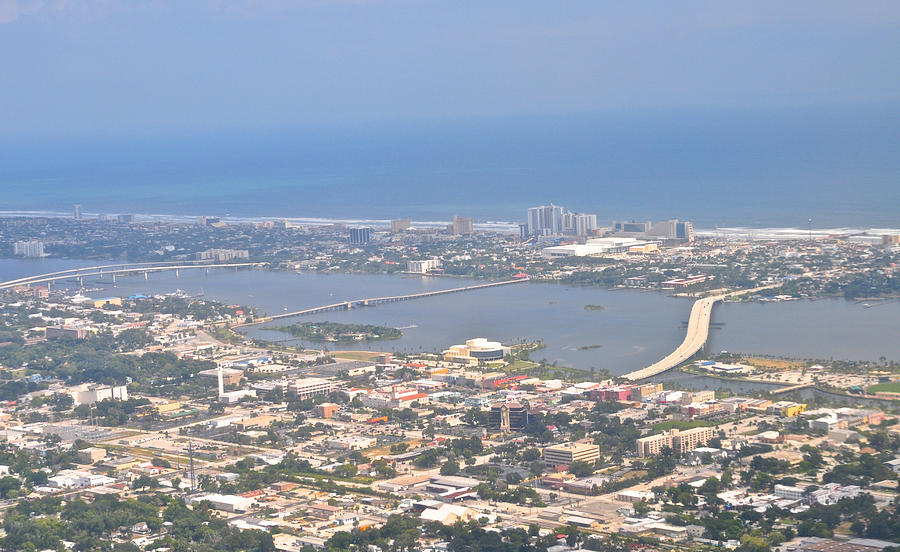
694,340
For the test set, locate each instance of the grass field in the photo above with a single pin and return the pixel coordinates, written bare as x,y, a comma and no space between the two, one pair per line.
517,365
774,363
356,355
892,387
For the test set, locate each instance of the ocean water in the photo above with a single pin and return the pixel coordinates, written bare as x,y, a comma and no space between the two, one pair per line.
839,166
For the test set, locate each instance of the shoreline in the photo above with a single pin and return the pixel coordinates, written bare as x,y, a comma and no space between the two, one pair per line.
752,233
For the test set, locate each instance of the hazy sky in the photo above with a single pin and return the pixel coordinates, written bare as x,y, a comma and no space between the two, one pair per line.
106,67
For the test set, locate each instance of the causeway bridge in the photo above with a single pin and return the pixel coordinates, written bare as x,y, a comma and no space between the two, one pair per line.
113,270
694,340
372,301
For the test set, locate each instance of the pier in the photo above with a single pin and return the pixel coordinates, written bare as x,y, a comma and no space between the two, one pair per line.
372,301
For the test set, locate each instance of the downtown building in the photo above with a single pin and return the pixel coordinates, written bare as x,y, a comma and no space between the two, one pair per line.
566,454
508,416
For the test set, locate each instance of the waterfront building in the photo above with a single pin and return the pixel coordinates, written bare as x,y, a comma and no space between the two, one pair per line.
423,267
545,220
222,255
478,349
667,230
360,236
684,282
461,226
567,453
125,219
76,212
632,227
673,230
553,220
583,224
399,225
31,249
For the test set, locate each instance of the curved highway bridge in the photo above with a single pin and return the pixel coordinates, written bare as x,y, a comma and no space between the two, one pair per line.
113,270
372,301
697,334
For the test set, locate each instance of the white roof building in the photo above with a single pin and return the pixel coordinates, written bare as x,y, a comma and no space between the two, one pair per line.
448,514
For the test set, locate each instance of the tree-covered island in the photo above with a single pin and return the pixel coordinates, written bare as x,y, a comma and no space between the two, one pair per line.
338,333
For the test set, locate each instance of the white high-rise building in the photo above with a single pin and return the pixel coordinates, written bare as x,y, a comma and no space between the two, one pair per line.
553,220
76,212
545,220
583,224
31,249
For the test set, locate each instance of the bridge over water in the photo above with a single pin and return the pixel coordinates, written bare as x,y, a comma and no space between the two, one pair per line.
695,338
372,301
113,270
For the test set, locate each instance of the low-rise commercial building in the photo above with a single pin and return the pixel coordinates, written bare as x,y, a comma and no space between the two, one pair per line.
226,503
91,393
306,388
567,453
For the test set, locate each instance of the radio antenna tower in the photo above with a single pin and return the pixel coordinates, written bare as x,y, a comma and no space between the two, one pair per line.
191,456
810,230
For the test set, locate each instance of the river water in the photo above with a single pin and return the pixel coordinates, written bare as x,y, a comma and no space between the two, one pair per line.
633,330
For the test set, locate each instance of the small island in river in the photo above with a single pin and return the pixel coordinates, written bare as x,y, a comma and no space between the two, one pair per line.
593,307
339,333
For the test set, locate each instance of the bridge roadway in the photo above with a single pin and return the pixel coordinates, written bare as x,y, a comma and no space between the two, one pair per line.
372,301
694,340
101,270
790,388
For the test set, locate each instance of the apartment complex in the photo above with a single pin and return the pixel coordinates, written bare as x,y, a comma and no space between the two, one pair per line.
679,441
222,255
30,249
423,267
